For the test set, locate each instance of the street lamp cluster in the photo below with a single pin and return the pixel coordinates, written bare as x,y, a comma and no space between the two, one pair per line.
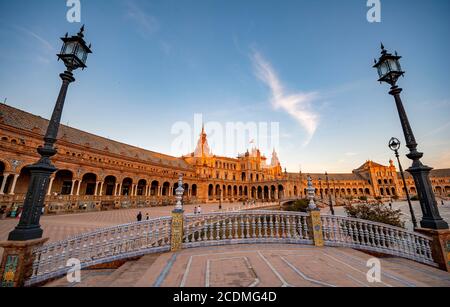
74,53
389,71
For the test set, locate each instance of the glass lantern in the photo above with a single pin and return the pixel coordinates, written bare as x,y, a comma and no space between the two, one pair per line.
388,67
74,51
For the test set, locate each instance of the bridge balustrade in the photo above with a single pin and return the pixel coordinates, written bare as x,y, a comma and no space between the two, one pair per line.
101,246
227,228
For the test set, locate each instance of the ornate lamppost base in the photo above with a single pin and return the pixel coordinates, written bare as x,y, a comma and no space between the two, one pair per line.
28,227
26,233
431,218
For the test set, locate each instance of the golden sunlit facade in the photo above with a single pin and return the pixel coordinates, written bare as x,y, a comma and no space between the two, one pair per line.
96,173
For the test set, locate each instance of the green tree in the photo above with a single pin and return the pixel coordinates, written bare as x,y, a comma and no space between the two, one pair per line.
376,213
298,206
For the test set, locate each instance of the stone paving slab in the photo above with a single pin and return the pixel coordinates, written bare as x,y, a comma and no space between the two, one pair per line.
284,265
263,265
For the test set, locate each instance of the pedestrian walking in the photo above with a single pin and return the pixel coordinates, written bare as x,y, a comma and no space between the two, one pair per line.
139,217
195,210
147,217
390,206
199,210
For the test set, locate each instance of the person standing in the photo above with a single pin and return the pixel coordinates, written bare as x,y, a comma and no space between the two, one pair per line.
195,210
139,217
147,217
199,210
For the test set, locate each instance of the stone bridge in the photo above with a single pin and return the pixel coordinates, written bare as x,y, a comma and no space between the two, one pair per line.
179,231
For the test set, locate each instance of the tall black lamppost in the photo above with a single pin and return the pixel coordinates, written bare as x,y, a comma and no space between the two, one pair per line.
329,194
394,145
389,70
74,54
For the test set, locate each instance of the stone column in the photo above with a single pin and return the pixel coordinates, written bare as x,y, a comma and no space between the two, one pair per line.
79,186
72,187
13,188
176,242
5,178
101,189
315,227
17,261
96,188
50,185
177,230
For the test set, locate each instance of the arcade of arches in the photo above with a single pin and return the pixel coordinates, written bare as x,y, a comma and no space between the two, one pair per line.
96,173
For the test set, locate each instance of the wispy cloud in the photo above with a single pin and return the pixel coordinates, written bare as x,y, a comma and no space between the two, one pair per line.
44,43
438,130
297,105
46,51
147,23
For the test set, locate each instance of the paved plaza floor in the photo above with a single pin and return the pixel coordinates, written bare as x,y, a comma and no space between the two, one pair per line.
241,265
63,226
261,266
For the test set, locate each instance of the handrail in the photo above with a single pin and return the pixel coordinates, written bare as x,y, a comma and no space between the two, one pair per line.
377,237
220,228
101,246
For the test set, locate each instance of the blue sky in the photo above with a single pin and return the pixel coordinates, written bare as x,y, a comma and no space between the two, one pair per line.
304,64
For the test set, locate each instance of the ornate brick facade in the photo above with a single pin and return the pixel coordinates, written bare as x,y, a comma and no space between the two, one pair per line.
96,173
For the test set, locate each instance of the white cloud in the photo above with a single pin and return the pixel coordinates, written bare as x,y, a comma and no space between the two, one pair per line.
438,130
147,23
45,52
297,105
